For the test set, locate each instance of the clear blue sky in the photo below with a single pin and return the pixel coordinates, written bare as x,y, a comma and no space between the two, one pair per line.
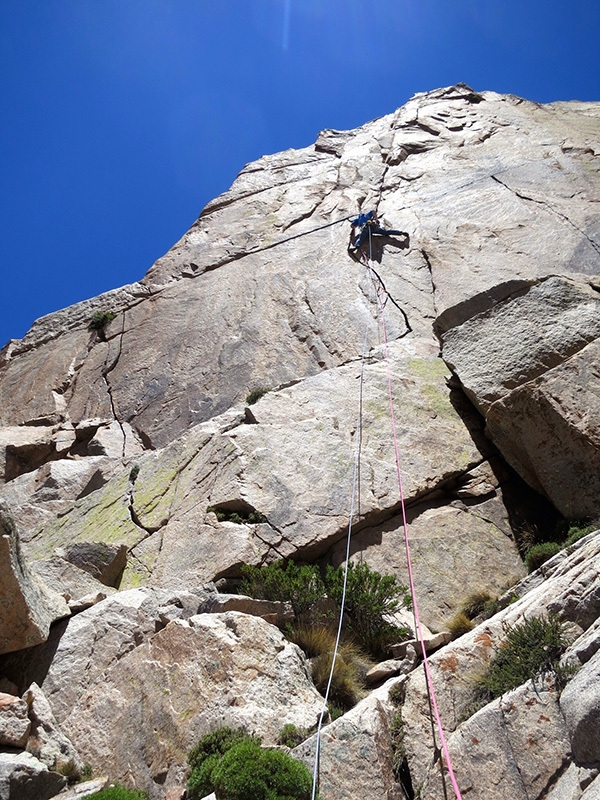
120,119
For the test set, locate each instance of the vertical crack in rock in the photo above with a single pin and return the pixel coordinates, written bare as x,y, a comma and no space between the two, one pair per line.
552,210
433,286
106,372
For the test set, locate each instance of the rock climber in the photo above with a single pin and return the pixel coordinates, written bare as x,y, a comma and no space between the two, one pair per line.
368,223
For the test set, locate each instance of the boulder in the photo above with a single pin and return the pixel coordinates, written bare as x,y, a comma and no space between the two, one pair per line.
23,777
85,789
356,752
96,639
185,681
14,721
580,704
515,747
527,363
27,608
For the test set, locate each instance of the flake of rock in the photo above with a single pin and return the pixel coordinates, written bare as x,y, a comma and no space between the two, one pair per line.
28,607
219,603
102,561
74,584
37,496
580,704
46,741
14,721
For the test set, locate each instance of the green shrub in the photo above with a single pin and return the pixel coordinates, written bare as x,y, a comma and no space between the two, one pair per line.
204,757
540,553
286,581
235,767
239,516
370,596
100,319
529,649
118,793
255,395
577,532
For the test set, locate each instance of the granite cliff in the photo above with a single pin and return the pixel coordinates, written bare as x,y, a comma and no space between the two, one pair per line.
136,477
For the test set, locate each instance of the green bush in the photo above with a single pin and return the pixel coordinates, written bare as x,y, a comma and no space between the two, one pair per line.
577,532
204,757
530,648
247,772
118,793
239,516
370,596
540,553
233,765
255,395
100,319
286,581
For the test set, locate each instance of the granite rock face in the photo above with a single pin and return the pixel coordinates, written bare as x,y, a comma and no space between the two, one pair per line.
134,458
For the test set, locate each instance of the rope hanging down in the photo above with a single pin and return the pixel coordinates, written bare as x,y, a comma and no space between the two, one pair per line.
355,484
428,678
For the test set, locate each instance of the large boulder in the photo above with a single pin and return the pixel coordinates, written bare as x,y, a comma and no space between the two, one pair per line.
528,364
24,777
185,681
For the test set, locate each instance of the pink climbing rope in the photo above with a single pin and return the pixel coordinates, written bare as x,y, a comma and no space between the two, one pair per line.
428,678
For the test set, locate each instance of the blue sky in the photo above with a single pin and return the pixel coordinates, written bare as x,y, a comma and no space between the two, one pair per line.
120,119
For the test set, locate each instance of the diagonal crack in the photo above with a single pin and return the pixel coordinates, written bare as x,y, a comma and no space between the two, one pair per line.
547,206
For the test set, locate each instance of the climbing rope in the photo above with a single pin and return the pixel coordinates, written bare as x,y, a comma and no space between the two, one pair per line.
419,630
355,485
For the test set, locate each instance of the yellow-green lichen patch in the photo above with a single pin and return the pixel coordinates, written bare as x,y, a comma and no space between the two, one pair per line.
102,516
432,386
